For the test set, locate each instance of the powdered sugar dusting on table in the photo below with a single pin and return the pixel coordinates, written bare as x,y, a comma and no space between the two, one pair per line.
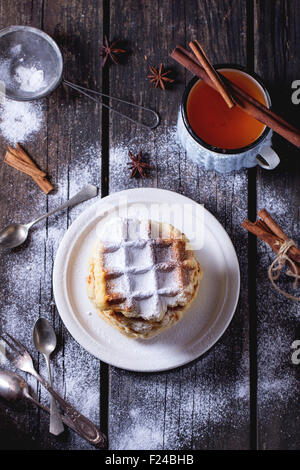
20,120
171,417
165,143
166,147
172,412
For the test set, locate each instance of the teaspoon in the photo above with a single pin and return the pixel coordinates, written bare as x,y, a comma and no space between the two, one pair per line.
44,339
15,234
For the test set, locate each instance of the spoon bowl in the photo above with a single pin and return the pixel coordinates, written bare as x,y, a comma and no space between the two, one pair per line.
13,387
13,235
44,336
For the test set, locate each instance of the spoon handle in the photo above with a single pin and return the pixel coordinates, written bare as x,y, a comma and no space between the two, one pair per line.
56,425
67,421
86,193
81,424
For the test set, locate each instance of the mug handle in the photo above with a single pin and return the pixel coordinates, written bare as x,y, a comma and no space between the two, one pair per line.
267,158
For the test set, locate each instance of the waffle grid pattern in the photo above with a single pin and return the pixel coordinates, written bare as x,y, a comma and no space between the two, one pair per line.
144,275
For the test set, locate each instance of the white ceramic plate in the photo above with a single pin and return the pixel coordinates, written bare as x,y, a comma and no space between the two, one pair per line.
208,316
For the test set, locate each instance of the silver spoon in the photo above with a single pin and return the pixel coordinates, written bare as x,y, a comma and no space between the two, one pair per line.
44,339
13,388
15,234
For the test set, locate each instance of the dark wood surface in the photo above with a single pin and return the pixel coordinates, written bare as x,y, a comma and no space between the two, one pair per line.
243,392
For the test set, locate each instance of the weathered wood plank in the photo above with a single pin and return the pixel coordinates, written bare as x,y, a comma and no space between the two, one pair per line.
74,152
277,61
205,404
68,146
21,200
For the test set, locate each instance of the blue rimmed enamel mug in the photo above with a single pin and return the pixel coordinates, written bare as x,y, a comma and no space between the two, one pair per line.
258,152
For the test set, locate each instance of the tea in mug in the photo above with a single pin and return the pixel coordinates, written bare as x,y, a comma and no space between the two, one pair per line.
218,125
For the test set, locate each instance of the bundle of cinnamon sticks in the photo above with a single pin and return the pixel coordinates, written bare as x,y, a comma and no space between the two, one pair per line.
269,231
20,160
239,97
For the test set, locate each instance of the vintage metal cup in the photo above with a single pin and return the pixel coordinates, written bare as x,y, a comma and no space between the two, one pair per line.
258,152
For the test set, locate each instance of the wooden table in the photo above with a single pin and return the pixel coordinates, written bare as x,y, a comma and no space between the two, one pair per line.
243,392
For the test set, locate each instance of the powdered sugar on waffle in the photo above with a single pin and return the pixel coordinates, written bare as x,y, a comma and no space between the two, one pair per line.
142,272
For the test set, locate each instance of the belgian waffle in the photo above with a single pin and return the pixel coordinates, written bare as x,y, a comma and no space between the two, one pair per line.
142,276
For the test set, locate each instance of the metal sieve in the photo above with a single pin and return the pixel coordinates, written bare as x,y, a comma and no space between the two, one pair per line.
32,49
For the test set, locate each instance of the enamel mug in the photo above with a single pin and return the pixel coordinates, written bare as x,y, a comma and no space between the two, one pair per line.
258,152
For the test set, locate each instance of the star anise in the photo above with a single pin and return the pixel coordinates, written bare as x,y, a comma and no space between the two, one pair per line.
158,77
137,166
109,50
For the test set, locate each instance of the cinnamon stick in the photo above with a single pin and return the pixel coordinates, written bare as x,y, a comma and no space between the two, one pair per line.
211,72
263,225
20,160
43,183
243,100
270,222
18,164
272,241
269,231
263,234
